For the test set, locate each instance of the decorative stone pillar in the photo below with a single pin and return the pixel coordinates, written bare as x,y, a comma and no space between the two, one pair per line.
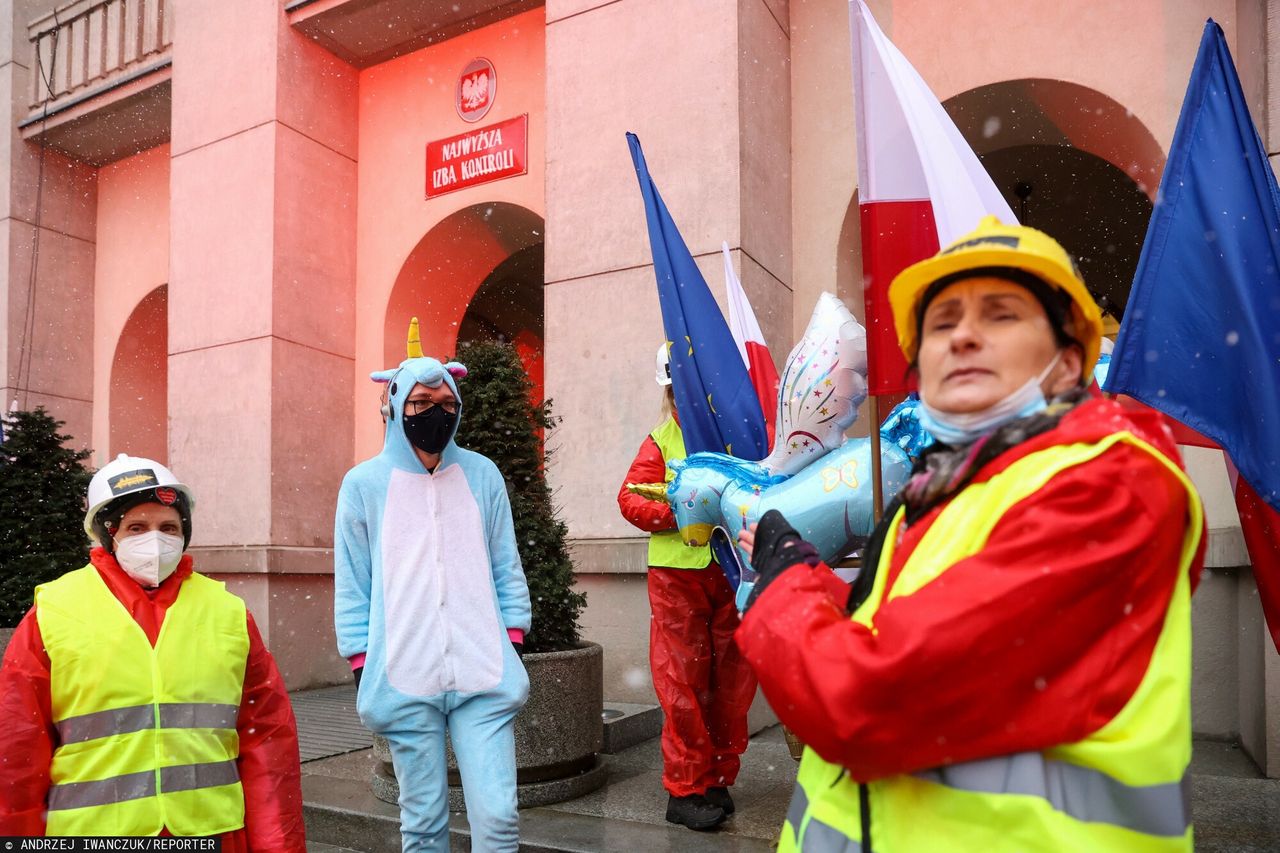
261,313
714,116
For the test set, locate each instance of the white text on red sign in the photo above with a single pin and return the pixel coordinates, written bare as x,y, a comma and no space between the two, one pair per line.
479,156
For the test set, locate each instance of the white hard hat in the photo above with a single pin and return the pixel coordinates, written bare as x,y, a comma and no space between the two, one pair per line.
126,475
662,368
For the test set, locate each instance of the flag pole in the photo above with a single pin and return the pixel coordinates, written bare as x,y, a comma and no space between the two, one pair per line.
877,490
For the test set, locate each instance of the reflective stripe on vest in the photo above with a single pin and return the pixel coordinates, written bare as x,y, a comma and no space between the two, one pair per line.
795,813
120,721
666,548
1081,792
819,837
1124,787
147,734
133,786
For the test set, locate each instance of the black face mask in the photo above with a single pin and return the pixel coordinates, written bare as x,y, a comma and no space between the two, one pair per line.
431,430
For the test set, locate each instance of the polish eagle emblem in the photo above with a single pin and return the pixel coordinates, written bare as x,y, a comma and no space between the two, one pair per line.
475,90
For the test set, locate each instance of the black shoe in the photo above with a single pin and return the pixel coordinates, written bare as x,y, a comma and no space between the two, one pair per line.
720,797
695,812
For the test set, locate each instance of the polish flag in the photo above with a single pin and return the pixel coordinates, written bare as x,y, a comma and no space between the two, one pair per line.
751,345
919,184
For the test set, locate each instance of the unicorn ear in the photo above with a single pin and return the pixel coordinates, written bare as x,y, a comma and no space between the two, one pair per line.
457,371
414,345
383,376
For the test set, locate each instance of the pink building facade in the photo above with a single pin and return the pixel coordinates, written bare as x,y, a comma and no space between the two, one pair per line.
219,217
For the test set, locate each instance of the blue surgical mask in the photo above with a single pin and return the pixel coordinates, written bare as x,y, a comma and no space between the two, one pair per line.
967,427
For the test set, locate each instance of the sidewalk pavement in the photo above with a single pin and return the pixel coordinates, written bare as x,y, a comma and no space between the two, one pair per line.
1236,810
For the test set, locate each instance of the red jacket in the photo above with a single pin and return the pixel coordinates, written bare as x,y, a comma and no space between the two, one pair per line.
269,767
1037,640
648,467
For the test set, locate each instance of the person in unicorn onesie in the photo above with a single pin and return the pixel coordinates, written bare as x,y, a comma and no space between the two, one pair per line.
431,607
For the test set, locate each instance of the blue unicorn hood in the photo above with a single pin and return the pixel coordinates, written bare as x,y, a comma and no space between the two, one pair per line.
417,369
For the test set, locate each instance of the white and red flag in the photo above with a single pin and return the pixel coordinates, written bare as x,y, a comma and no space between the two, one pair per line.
919,184
751,345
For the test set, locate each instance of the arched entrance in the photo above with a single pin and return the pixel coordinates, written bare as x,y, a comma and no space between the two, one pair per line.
1070,161
476,275
139,394
1074,163
1098,214
508,307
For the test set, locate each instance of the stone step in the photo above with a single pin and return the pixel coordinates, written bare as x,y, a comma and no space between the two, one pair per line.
627,724
342,814
550,831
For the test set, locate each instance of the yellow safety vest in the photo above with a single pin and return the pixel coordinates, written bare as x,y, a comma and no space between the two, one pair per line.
147,736
1122,788
666,548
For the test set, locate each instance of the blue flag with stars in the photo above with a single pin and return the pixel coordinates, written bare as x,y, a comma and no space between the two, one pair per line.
718,406
1200,339
719,409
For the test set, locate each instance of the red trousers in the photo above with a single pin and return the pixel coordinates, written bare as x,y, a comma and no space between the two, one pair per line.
703,682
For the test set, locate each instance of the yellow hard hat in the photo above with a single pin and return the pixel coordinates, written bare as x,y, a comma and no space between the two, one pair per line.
995,244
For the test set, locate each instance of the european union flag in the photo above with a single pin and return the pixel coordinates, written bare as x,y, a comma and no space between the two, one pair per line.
718,406
719,409
1201,335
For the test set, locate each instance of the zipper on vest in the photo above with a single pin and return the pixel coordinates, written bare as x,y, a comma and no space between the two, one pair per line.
864,816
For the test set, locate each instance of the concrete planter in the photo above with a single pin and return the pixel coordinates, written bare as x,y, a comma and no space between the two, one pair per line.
558,733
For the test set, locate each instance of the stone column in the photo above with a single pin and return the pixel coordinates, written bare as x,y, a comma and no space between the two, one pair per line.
706,87
261,312
47,218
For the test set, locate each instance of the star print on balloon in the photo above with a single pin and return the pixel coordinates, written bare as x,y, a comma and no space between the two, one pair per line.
819,480
822,385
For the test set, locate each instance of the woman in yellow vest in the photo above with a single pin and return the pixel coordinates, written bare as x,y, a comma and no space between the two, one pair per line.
1011,671
702,681
137,695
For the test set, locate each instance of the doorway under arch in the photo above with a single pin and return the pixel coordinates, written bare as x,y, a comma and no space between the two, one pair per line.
1093,209
139,391
508,307
449,267
1070,161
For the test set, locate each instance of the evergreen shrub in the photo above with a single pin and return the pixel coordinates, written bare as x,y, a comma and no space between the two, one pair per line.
501,421
42,503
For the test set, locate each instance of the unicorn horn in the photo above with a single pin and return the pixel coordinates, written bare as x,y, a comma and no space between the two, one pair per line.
415,343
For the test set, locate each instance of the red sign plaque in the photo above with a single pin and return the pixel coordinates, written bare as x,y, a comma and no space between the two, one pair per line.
478,156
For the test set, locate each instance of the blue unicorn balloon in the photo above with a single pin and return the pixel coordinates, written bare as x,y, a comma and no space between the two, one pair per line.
828,501
817,478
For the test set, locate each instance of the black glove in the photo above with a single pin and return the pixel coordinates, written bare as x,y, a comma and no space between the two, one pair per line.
778,547
519,647
356,672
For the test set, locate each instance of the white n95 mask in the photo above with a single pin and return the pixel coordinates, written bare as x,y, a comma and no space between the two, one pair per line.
149,557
